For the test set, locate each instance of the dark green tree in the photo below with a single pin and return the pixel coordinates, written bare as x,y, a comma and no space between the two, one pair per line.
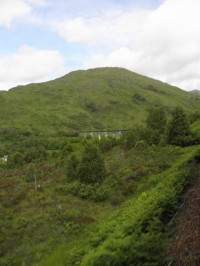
157,119
106,144
178,130
72,167
136,134
195,116
66,150
156,123
92,167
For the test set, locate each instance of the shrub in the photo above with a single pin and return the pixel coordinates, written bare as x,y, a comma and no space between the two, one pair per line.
93,192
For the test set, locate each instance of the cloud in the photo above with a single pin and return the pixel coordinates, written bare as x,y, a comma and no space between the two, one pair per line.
76,30
30,65
38,2
121,57
111,28
162,43
12,9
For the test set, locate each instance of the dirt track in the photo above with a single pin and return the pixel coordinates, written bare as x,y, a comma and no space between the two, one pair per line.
186,246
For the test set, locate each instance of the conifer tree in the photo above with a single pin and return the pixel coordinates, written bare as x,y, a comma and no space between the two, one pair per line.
72,167
178,131
156,119
92,167
156,123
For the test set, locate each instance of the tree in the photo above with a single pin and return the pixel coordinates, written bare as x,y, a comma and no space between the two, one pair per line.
178,131
72,167
136,134
66,150
156,122
106,144
92,167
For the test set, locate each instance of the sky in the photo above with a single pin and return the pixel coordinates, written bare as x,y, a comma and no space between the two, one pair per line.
41,40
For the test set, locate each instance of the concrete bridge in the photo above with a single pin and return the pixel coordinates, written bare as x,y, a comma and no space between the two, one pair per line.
105,133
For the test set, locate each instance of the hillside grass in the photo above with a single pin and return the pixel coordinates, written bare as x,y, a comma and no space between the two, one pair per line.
136,234
102,98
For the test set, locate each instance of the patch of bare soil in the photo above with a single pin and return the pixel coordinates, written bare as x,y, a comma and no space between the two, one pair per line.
186,245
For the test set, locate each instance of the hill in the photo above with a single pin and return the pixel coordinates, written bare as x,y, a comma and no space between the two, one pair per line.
195,91
102,98
55,208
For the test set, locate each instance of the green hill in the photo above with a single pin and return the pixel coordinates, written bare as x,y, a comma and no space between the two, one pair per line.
102,98
51,210
195,91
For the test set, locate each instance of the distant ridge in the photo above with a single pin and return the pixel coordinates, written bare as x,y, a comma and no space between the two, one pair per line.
195,91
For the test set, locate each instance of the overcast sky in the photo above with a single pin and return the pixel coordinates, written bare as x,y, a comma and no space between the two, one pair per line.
44,39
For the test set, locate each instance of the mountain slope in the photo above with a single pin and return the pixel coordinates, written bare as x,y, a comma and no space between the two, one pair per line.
195,91
102,98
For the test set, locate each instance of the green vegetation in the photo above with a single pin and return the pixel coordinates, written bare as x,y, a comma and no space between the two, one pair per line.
102,98
196,129
179,128
48,212
72,167
156,123
66,199
136,234
92,168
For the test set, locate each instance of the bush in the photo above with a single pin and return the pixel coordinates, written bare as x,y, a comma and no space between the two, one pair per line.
93,192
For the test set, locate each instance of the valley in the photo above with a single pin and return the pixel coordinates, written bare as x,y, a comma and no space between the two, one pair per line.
93,167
